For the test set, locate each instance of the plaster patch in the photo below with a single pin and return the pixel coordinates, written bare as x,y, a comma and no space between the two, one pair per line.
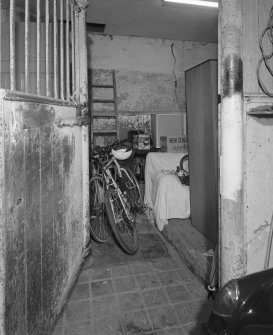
231,160
256,250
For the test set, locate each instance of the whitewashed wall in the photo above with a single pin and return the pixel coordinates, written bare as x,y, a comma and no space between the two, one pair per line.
150,72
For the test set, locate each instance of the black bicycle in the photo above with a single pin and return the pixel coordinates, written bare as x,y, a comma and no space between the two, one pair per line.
115,197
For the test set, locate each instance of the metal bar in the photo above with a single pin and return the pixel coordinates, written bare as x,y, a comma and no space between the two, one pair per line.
12,43
73,49
26,97
55,48
38,69
77,60
62,50
67,50
26,46
47,46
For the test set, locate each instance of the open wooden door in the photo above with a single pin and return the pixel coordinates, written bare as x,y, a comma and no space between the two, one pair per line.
201,95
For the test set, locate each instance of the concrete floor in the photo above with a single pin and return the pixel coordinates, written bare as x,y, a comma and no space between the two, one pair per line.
152,292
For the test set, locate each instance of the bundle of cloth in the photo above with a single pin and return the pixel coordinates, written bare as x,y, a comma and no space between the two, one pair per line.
165,195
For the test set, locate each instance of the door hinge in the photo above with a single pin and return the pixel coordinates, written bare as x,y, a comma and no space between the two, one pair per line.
81,120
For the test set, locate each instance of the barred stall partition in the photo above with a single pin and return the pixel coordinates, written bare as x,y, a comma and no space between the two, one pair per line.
37,54
44,159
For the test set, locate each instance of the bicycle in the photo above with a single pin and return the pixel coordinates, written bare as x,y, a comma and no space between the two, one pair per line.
114,197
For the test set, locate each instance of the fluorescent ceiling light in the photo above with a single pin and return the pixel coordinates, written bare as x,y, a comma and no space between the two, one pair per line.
196,2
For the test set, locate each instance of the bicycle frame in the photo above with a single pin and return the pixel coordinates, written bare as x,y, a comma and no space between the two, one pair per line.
115,201
105,167
110,180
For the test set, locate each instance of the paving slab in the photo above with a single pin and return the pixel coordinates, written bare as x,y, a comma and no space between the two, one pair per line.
152,293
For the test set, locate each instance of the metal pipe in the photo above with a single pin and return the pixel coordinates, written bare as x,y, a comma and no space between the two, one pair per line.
47,46
26,46
38,69
62,50
67,51
55,49
77,52
232,234
12,43
73,50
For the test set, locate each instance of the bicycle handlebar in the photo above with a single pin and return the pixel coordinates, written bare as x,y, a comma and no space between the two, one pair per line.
98,150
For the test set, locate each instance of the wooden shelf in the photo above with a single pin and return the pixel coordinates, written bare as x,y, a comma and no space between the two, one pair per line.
265,111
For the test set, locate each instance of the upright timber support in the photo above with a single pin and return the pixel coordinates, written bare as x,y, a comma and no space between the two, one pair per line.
81,98
232,237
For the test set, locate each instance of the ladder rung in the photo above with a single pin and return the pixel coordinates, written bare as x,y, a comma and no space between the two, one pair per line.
104,114
102,86
103,100
104,131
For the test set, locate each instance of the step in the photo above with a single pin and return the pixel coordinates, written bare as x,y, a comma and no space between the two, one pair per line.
191,245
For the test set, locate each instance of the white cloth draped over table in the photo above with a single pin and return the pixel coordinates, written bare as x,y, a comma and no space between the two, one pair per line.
164,192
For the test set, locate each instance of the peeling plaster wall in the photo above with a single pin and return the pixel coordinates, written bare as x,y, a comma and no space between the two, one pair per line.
258,184
149,72
41,208
255,20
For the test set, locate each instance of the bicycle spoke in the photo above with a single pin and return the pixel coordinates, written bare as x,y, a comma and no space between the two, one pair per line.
98,216
121,222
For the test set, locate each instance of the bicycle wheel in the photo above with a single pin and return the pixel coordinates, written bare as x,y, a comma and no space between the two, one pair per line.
130,189
98,216
121,221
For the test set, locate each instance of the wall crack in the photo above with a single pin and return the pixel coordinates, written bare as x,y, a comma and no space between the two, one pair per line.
175,78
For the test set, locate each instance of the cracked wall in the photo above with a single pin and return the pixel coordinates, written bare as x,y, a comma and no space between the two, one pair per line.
149,72
41,211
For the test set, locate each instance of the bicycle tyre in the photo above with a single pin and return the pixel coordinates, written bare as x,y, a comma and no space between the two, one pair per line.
122,224
99,227
130,188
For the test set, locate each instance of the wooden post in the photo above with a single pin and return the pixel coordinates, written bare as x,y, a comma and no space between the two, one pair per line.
82,99
232,232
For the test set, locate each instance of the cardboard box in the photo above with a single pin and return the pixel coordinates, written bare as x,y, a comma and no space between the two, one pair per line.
167,125
141,142
174,143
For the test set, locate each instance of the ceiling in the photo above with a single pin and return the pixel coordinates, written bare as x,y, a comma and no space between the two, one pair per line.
150,18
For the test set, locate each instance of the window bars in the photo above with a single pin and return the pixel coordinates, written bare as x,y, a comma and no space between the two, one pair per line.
37,55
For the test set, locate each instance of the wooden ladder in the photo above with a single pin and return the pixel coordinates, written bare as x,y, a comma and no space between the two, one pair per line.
103,107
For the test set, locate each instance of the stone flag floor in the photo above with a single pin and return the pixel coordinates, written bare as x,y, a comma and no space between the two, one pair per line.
152,292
